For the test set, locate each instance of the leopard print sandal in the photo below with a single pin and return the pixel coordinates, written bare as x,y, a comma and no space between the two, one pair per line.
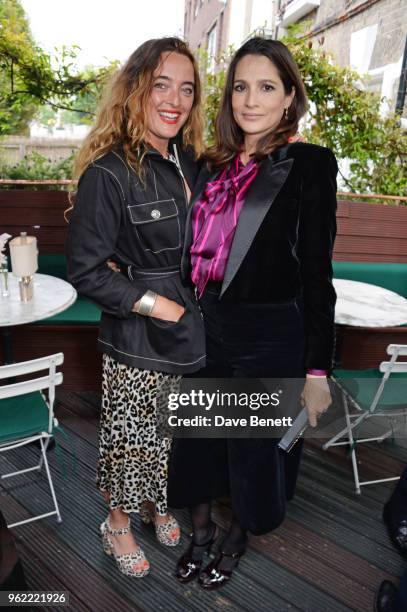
167,533
126,562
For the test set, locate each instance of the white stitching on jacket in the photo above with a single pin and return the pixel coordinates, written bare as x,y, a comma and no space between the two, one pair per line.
155,182
150,358
163,274
123,162
113,174
136,224
129,274
131,206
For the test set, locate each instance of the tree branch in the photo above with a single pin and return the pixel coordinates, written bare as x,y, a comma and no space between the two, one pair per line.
12,76
53,104
345,180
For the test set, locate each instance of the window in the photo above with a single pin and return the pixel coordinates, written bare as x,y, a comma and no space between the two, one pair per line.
293,10
211,47
198,6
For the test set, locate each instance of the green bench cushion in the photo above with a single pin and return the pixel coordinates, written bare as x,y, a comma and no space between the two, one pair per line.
54,265
387,275
81,312
23,416
392,276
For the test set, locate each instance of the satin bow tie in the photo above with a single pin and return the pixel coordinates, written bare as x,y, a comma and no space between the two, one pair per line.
222,186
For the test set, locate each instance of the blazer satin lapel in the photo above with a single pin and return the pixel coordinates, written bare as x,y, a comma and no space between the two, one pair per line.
259,198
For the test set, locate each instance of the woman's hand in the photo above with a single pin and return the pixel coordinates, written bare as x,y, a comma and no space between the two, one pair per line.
167,310
164,309
316,397
113,265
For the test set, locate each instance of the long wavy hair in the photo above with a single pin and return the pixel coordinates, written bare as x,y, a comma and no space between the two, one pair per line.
229,136
122,117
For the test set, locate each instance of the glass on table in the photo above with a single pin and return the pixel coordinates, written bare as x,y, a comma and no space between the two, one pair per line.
4,287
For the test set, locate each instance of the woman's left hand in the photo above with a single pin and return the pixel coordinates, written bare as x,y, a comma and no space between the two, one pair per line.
316,397
113,265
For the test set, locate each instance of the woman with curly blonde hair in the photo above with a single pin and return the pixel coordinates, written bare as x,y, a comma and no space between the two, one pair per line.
136,170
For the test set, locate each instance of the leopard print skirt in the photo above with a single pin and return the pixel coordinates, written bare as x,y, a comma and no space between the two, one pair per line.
133,456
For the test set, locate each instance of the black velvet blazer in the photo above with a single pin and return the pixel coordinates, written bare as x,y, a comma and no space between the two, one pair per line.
282,248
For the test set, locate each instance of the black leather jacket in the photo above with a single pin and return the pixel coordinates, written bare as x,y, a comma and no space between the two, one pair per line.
140,224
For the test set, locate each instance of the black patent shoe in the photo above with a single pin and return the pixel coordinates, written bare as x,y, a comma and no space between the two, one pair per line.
396,531
386,597
188,568
213,577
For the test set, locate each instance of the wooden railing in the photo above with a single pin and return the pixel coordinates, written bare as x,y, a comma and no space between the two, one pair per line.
366,231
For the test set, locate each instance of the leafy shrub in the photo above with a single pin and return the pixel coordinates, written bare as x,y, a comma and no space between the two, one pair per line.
34,167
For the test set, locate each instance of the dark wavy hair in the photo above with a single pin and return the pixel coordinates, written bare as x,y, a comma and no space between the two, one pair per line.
228,135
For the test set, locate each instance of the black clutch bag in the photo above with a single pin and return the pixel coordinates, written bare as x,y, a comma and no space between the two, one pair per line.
295,432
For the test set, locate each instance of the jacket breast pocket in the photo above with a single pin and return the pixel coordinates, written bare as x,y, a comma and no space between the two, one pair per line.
157,225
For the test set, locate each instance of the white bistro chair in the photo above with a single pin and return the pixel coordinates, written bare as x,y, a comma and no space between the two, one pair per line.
372,393
26,415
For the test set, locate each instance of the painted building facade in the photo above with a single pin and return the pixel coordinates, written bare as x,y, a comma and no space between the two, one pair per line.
369,35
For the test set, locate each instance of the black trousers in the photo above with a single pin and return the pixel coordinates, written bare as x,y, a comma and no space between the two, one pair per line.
398,500
11,570
243,341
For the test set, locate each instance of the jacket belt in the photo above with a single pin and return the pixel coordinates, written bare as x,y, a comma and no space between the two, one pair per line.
133,272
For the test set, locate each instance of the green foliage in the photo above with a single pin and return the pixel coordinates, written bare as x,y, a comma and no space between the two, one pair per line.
47,117
342,116
347,118
212,86
15,112
37,167
30,78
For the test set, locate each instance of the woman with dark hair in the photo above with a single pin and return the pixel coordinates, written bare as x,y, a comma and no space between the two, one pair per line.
258,249
136,169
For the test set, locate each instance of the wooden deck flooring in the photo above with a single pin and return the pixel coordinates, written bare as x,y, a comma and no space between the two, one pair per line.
330,554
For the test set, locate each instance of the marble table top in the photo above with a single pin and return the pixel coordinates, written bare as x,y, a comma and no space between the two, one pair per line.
364,305
358,304
51,296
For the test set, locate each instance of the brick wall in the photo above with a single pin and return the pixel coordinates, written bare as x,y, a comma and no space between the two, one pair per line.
391,19
390,15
